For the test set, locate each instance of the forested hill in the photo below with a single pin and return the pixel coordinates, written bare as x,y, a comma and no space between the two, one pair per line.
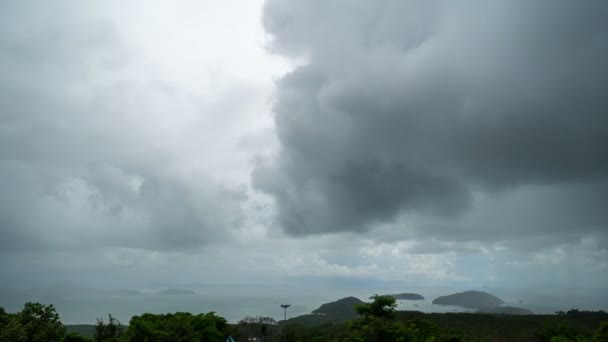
342,308
470,299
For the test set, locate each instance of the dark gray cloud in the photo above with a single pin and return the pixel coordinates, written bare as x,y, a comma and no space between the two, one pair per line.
411,108
83,163
448,143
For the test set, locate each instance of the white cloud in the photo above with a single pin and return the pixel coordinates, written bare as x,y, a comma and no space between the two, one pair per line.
313,265
584,255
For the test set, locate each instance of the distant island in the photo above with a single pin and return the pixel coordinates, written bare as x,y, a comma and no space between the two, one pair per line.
173,292
403,296
470,299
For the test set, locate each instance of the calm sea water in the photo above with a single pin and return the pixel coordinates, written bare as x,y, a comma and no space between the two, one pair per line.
234,303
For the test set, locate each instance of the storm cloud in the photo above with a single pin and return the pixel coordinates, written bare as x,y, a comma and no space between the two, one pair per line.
303,142
475,121
87,147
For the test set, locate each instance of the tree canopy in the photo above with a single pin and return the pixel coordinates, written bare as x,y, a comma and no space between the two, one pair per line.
35,323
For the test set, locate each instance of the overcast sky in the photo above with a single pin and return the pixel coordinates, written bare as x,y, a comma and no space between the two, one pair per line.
304,141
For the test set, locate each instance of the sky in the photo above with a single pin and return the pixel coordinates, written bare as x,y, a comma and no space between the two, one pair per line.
249,142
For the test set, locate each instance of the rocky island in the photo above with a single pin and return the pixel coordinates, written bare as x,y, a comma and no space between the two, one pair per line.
470,299
403,296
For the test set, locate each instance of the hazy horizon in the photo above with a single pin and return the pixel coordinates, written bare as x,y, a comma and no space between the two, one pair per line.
235,302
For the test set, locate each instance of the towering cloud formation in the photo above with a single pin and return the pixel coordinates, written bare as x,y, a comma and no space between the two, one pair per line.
448,112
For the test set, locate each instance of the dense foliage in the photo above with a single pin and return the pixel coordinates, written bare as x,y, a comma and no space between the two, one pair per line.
108,332
35,323
177,327
40,323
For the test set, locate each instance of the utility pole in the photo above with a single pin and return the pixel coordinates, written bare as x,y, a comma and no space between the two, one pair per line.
285,306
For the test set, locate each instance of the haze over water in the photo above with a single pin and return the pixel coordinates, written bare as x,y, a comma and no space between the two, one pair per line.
236,302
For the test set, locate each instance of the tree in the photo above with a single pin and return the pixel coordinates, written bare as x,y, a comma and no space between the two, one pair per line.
108,332
374,323
560,339
41,323
177,327
601,335
256,327
74,337
561,332
11,329
382,307
35,323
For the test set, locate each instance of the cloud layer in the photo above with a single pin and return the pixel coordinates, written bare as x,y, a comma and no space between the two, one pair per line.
438,114
411,142
95,153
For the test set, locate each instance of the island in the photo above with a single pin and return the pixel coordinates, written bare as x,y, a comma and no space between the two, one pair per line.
336,312
470,299
173,292
403,296
344,307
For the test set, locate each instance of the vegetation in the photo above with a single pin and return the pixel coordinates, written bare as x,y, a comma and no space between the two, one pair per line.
403,296
507,310
178,327
35,323
40,323
342,309
378,321
108,332
262,328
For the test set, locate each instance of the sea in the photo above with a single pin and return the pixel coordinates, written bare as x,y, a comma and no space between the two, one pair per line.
237,302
